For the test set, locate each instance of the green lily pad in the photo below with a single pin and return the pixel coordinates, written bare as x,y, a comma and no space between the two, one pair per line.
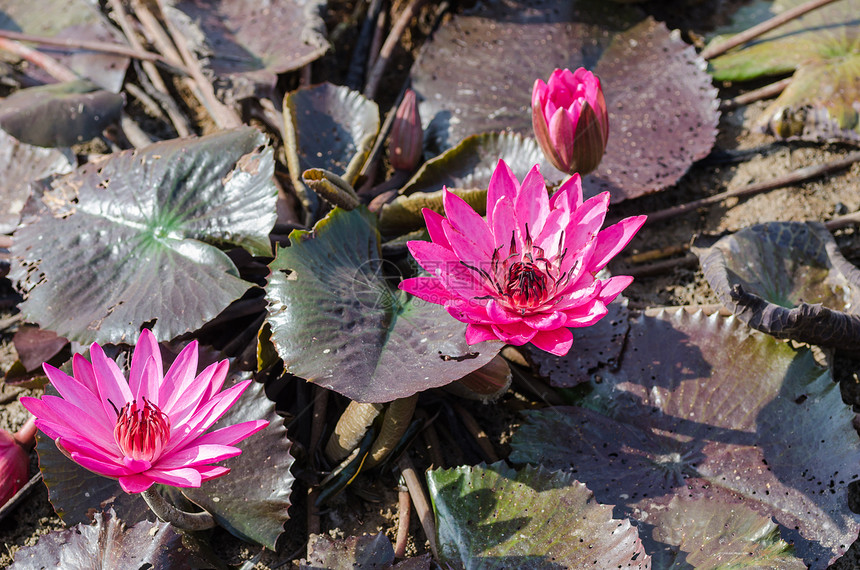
108,543
243,52
787,279
704,408
61,114
477,72
21,163
329,127
822,102
337,321
135,226
496,517
73,20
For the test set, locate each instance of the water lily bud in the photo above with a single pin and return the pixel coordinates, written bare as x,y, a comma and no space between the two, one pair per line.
570,120
14,466
407,137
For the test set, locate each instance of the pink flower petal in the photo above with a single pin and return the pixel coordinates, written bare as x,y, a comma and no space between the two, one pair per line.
434,220
447,267
99,467
557,341
613,239
517,334
83,371
474,312
429,289
145,349
68,419
504,226
113,388
211,471
561,130
545,321
532,203
135,483
108,453
611,287
503,184
75,393
479,333
195,455
181,477
500,314
586,314
136,465
179,377
467,221
233,434
569,195
193,394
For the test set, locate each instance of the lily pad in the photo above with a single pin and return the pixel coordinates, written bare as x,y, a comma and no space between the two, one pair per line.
822,102
21,163
465,169
704,408
496,517
329,127
337,321
59,115
660,122
787,279
242,51
72,20
108,543
134,226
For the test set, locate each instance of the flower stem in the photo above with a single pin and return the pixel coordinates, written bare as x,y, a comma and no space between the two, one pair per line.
397,418
180,519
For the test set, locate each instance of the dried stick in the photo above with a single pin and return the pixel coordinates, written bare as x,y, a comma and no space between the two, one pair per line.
477,432
378,34
765,92
56,69
103,47
419,499
176,118
766,26
656,254
843,221
662,266
224,116
403,515
794,177
391,41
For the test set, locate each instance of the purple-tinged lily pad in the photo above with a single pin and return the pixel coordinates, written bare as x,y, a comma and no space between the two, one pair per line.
61,114
465,169
476,75
787,279
21,163
367,551
822,102
245,45
72,20
109,543
330,127
593,346
496,517
337,321
135,226
707,408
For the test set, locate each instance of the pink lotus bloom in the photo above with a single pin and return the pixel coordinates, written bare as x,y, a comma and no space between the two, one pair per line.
149,429
14,461
527,272
570,120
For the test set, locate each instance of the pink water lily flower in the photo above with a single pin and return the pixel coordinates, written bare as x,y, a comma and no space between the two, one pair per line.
528,272
149,429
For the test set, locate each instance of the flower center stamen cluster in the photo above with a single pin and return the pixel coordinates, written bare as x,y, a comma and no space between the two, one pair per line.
141,432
